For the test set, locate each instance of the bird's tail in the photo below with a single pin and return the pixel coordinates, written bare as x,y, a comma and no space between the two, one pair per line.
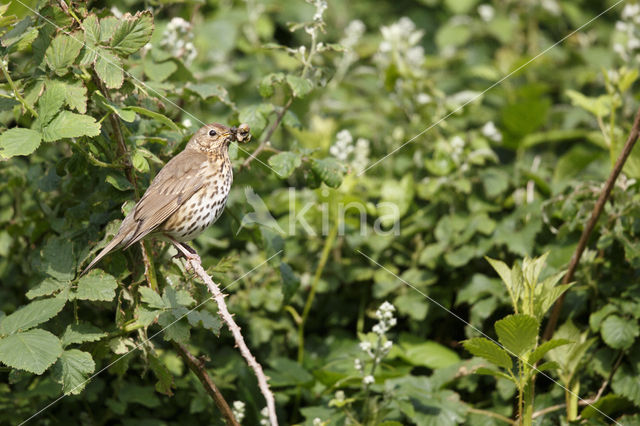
112,244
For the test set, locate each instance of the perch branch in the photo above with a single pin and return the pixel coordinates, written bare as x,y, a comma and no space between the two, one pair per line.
197,366
264,144
240,343
595,214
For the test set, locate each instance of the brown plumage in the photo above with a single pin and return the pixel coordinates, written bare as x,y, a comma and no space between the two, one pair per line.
187,195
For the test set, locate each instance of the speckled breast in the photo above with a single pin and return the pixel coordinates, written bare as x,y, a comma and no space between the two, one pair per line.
203,208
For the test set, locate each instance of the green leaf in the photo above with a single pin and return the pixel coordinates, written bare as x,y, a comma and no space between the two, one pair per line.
62,51
96,285
68,124
619,333
139,162
81,333
427,354
495,373
19,141
284,163
156,116
625,382
72,370
119,182
253,116
599,106
31,315
132,33
75,95
159,71
91,27
266,86
174,329
151,298
205,319
46,288
290,282
108,27
329,170
165,379
485,348
300,86
518,333
33,350
57,259
109,68
286,372
50,104
541,350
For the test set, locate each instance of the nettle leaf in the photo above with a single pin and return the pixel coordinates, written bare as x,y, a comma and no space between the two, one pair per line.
132,33
485,348
72,369
284,163
518,333
96,285
300,86
109,68
56,259
329,170
68,124
31,315
290,281
618,332
19,141
33,350
81,333
62,51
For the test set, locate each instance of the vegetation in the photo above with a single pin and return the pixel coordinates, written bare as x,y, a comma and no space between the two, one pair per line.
396,236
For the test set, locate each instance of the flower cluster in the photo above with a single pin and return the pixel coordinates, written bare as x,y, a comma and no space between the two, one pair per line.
238,410
357,156
178,40
379,348
400,41
491,132
627,39
264,417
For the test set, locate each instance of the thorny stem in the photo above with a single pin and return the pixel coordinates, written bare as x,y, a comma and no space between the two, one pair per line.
197,366
588,229
17,94
223,311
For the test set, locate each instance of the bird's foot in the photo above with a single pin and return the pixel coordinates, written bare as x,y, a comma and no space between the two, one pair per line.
186,252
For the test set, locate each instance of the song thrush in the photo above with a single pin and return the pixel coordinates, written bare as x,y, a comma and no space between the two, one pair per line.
187,195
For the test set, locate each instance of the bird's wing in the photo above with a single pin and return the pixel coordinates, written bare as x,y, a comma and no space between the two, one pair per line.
178,180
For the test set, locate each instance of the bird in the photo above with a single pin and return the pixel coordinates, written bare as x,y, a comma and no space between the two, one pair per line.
187,195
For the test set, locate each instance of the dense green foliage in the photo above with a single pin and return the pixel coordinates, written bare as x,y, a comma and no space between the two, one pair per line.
361,286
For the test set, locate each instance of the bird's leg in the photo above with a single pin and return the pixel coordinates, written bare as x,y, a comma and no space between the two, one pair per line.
184,250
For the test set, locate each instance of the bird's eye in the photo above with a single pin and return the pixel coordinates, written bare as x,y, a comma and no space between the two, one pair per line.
212,132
